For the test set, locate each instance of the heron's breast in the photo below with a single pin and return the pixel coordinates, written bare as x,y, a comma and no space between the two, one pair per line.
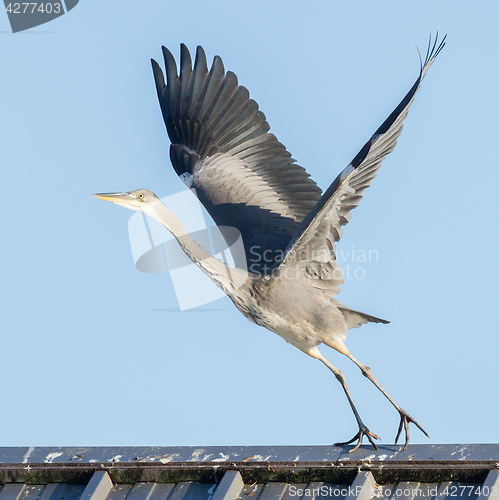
303,317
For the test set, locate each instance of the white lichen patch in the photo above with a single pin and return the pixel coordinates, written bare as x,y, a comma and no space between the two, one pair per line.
195,455
223,458
260,458
52,456
27,454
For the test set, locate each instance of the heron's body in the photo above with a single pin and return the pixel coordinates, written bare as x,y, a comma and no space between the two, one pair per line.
306,316
246,179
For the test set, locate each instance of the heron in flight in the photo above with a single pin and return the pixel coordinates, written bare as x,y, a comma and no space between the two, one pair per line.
246,179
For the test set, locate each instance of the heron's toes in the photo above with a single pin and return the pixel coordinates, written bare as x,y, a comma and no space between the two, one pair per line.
363,431
405,420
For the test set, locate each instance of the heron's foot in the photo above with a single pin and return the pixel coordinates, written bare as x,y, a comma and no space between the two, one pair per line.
405,420
363,431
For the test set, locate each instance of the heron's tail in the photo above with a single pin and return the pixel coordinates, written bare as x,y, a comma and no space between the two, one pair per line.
354,319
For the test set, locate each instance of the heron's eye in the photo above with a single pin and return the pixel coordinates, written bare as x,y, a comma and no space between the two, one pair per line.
141,195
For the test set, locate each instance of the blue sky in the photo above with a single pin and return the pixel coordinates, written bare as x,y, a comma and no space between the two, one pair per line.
92,353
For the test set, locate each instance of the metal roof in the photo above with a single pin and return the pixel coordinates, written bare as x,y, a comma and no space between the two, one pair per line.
426,472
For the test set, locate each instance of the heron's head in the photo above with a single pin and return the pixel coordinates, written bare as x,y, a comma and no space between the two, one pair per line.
134,200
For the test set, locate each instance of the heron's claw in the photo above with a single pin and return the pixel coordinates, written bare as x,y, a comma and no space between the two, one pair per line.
363,431
405,420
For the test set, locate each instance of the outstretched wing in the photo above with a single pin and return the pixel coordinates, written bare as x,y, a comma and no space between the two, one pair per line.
221,147
311,253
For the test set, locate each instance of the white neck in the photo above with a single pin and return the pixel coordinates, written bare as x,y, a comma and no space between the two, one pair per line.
225,277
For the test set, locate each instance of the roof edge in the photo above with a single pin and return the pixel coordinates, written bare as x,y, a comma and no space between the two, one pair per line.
293,464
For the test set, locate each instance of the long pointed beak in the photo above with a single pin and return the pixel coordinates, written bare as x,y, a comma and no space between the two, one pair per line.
114,197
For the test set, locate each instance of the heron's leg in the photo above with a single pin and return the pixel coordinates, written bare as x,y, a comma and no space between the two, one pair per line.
405,418
363,430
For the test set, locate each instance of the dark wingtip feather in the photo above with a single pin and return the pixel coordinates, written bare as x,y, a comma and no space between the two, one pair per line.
426,59
420,60
185,59
218,64
171,66
158,75
431,53
440,47
231,75
201,63
433,50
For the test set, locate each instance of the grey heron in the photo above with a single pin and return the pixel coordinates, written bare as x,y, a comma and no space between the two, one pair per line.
221,147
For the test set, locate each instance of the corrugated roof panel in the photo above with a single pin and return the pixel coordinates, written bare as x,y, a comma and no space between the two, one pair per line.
192,491
384,491
31,492
270,491
465,491
490,487
160,491
49,490
119,492
99,486
405,491
62,491
144,491
188,490
70,492
317,490
297,491
12,491
254,490
230,486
